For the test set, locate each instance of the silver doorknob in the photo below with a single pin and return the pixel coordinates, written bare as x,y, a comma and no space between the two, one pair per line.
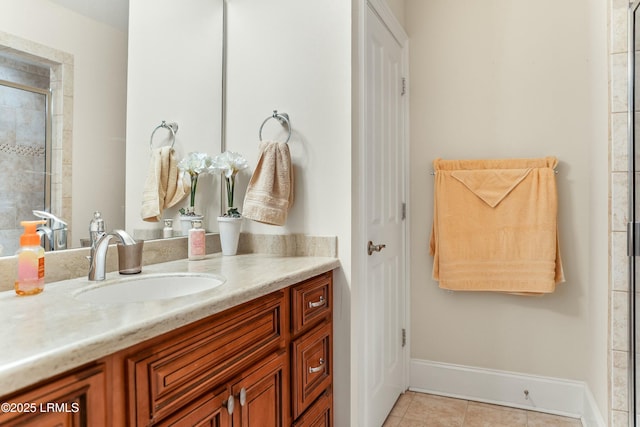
371,248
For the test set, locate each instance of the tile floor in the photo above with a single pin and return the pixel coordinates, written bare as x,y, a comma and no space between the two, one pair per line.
425,410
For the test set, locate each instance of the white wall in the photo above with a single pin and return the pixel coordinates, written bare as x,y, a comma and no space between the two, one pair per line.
99,99
174,75
397,7
296,57
497,79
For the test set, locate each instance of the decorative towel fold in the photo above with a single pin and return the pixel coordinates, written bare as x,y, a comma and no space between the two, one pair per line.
495,226
270,192
163,186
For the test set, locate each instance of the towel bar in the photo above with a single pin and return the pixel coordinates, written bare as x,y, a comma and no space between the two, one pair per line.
173,128
283,118
433,173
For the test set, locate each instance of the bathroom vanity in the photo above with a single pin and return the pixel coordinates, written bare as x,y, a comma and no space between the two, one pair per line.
258,347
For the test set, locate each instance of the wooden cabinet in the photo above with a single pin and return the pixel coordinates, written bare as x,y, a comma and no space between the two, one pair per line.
75,399
260,394
265,363
208,410
320,414
175,369
312,351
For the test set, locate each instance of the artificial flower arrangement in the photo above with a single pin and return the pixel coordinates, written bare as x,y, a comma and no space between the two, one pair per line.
194,164
229,164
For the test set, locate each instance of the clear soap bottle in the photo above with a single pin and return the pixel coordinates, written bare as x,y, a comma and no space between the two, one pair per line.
30,279
196,240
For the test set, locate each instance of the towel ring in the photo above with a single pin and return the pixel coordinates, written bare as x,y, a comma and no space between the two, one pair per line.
173,128
283,118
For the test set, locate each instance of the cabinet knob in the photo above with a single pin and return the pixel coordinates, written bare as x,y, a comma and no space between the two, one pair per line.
318,303
229,404
318,368
243,396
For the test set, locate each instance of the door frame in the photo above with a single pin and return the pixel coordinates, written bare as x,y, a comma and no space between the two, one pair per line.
359,237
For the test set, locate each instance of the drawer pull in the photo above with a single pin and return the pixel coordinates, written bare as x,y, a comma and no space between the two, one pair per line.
318,303
317,368
229,404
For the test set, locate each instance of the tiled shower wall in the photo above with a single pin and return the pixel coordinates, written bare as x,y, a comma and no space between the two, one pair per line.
619,270
22,148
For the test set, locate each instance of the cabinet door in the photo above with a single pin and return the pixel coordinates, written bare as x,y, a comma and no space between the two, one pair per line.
260,394
77,399
210,410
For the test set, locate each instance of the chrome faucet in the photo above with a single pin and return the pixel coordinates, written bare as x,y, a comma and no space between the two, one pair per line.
98,257
55,230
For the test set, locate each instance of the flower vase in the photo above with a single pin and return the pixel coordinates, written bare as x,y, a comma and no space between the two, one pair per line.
229,228
185,222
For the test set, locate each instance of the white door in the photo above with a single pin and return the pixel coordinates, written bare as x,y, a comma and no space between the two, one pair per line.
384,198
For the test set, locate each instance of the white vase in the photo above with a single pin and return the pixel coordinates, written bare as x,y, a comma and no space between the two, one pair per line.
185,222
229,228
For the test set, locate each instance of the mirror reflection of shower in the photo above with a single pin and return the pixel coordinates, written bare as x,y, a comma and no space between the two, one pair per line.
25,147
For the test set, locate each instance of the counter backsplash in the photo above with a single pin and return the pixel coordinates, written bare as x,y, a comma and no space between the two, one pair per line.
73,263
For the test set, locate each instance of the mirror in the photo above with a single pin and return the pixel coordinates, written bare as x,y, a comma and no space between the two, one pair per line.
109,90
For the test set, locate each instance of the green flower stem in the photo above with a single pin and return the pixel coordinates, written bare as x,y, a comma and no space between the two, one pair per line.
194,185
230,191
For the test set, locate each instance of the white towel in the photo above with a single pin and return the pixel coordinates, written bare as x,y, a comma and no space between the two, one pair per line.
163,186
270,192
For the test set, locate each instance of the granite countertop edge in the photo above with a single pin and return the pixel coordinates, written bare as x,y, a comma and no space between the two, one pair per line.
53,332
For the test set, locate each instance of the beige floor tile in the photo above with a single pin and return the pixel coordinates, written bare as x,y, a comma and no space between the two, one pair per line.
538,419
412,423
437,411
424,410
483,415
392,421
401,404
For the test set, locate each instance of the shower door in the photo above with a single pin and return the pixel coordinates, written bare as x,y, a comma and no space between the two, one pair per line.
25,158
633,227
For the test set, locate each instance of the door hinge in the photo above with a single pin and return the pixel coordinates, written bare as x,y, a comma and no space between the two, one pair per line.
633,238
404,210
404,337
404,86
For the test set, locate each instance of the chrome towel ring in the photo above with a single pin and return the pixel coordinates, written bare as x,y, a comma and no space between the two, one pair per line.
283,118
172,127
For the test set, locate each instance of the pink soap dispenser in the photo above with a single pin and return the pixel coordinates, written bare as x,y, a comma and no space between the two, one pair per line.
196,240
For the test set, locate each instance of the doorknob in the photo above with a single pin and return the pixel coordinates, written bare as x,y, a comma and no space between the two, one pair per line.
371,248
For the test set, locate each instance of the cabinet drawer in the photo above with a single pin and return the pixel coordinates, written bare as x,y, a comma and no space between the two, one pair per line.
171,373
311,301
320,414
311,367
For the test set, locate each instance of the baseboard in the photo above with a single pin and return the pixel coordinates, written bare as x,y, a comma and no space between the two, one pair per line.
551,395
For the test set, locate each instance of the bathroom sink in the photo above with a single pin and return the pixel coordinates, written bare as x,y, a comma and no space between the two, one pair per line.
150,287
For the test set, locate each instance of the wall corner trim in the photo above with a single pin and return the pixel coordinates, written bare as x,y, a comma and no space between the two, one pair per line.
545,394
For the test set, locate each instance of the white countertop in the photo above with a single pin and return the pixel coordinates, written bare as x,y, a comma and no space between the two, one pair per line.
53,332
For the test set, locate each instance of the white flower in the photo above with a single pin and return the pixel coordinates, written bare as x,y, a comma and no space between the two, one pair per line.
195,163
229,163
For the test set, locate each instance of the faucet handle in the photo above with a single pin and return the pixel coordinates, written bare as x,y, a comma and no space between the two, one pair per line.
55,222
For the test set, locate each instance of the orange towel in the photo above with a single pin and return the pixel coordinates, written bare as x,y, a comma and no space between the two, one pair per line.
495,226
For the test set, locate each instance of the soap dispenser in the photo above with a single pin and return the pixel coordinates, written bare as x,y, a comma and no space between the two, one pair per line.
30,279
